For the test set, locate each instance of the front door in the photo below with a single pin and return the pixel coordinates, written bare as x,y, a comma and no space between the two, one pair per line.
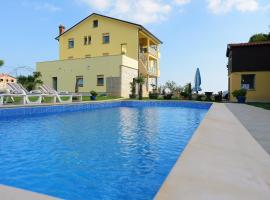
54,83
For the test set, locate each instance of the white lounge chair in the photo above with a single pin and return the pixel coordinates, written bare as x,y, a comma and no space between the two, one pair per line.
50,91
16,88
11,96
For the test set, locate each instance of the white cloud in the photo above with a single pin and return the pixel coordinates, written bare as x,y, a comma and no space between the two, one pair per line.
224,6
182,2
151,11
140,11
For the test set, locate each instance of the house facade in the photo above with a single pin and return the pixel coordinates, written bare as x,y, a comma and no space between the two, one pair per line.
4,79
249,68
103,54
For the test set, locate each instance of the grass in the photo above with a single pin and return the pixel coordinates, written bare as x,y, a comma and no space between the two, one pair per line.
49,99
261,105
100,98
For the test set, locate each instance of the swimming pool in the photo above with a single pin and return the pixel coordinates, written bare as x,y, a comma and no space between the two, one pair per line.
119,151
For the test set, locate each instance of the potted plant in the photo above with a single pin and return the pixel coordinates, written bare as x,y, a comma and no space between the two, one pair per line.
133,90
240,95
93,95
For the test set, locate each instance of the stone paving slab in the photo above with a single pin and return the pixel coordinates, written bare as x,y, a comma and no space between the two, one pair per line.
256,120
222,161
11,193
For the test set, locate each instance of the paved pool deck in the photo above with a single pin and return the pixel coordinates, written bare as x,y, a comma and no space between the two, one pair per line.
256,120
222,161
11,193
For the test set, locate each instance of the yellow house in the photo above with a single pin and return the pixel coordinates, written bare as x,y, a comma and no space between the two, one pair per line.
104,54
249,68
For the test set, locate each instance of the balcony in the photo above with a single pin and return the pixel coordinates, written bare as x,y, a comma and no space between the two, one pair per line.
151,50
148,67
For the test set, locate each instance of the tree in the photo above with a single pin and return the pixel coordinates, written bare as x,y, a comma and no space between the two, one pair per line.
171,85
133,89
188,90
30,82
1,63
260,37
140,80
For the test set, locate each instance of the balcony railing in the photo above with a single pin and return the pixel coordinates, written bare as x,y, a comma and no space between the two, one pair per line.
152,50
143,59
149,69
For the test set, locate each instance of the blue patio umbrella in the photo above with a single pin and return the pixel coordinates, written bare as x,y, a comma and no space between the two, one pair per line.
197,81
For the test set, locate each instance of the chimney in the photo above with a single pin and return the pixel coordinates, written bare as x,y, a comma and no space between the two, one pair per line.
61,29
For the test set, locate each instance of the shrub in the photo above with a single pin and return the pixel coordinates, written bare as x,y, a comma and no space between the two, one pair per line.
93,93
153,95
184,94
168,96
239,93
199,97
30,82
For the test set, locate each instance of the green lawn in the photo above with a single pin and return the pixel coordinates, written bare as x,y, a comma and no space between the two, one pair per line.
261,105
48,99
100,98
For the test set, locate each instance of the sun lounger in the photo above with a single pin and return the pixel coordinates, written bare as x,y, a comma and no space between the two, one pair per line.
18,89
59,95
11,96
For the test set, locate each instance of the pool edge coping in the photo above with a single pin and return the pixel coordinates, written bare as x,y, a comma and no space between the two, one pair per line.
224,176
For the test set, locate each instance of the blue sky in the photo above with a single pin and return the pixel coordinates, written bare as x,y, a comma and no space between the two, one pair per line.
195,32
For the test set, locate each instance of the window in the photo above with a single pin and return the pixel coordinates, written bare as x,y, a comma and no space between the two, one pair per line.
124,49
79,81
105,54
106,38
85,40
71,43
88,55
100,80
95,23
70,57
248,81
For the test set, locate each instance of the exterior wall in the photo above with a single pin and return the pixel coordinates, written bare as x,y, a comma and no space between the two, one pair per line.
4,79
250,58
119,33
261,93
127,76
67,70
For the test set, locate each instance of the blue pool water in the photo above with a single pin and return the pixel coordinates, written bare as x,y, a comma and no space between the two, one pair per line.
108,153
